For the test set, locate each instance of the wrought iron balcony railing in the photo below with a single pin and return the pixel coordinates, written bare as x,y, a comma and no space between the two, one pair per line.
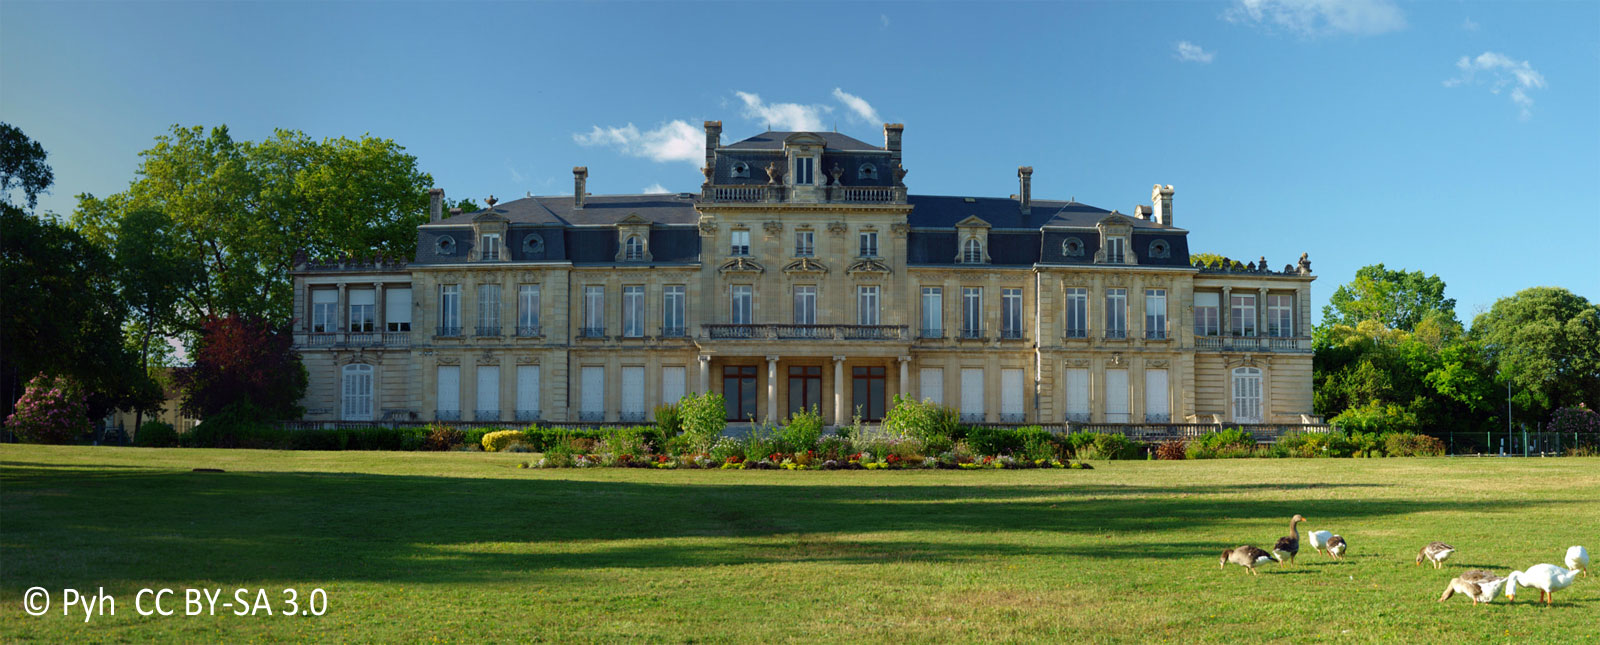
488,330
591,332
448,332
529,331
1011,334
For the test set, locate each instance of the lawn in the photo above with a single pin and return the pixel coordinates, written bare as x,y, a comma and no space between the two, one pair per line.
468,547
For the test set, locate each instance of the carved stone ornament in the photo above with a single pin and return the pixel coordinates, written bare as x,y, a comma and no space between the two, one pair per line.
1155,363
708,226
773,229
527,359
837,228
449,360
708,172
869,268
805,265
742,265
1246,360
487,358
900,175
773,173
900,229
836,171
1078,362
1305,264
1116,359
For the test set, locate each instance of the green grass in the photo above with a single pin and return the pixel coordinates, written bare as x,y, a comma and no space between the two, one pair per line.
467,547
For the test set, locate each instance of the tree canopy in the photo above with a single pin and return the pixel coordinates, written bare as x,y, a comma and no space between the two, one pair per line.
22,165
1546,340
1398,299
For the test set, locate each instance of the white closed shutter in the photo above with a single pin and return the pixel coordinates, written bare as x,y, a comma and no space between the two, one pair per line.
397,306
672,384
972,393
527,392
1011,396
488,392
1078,394
1156,404
357,392
633,393
363,297
933,384
448,399
1117,396
1207,299
593,406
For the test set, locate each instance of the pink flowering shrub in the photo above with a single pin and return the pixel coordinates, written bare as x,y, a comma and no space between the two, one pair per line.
51,410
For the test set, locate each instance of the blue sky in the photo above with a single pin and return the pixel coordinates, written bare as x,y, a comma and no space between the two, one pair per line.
1459,138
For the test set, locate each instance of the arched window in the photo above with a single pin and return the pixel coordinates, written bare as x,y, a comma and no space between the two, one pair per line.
1072,247
972,251
357,392
1159,249
1247,395
446,245
867,171
634,248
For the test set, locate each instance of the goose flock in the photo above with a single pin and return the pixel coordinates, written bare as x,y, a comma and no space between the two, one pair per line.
1477,584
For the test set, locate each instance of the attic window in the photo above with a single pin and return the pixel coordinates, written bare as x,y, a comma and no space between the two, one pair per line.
741,170
1072,247
972,251
634,248
1159,249
446,245
533,244
970,200
867,171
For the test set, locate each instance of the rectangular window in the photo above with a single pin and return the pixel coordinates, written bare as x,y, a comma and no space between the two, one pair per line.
447,393
592,398
1078,395
1206,314
1077,312
528,408
971,312
741,243
1114,254
932,312
594,312
1117,396
739,304
972,394
672,311
324,305
528,297
672,383
363,309
397,309
1155,313
488,310
1242,315
488,393
868,391
1011,389
491,247
1280,315
449,310
633,311
1116,313
804,246
803,170
805,388
1011,313
739,392
805,305
1157,408
933,385
633,394
869,244
867,305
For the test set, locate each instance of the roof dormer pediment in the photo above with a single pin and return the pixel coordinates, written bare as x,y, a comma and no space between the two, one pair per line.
489,215
973,221
1116,219
809,139
633,219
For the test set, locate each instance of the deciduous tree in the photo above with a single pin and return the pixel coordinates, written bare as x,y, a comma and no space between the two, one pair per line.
247,363
1398,299
22,165
1546,340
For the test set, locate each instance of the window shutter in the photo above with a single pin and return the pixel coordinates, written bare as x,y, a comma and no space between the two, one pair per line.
1117,396
972,392
933,385
1156,405
1011,394
397,305
671,384
594,391
1078,394
488,387
448,397
528,388
633,392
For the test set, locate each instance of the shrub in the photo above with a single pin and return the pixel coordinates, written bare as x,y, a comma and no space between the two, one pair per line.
1411,444
669,420
1172,450
1311,444
238,425
1037,443
1365,444
441,438
497,441
803,431
1114,446
155,434
703,419
1575,420
835,448
51,410
989,441
728,447
626,441
1376,417
936,426
1231,443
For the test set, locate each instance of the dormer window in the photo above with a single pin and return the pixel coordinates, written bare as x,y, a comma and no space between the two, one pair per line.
741,170
867,171
1159,249
1114,254
869,244
446,245
972,251
533,244
804,168
741,243
634,248
1072,247
490,245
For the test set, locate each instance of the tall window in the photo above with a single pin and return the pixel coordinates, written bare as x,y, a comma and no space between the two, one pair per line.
633,311
1280,316
363,309
971,312
972,251
1077,312
1011,313
594,312
869,244
932,312
804,244
805,388
397,309
805,305
324,306
1242,315
491,246
1114,254
357,392
449,310
634,248
1116,313
1206,312
739,304
867,390
1247,395
488,309
1155,313
739,392
867,305
741,243
803,167
672,311
528,310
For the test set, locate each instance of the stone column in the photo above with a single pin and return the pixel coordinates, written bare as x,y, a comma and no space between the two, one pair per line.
838,391
905,375
772,388
342,311
705,373
1261,312
378,314
1225,312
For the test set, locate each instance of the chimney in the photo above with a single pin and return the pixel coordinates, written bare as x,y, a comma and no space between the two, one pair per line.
1141,212
1162,200
891,142
454,212
435,204
713,141
580,178
1025,192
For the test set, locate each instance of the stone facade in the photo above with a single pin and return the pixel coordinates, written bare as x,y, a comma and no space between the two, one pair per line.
804,274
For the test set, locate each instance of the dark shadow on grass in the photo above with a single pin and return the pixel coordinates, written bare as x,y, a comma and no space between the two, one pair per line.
150,526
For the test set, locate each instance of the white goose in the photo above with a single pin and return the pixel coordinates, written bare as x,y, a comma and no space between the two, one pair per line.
1578,558
1547,578
1319,540
1477,584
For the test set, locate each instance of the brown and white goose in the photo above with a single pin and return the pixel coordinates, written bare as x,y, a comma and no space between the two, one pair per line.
1477,584
1436,553
1289,545
1245,556
1336,547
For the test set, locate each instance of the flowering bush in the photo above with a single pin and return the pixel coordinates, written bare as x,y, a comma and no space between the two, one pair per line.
1578,419
498,441
51,410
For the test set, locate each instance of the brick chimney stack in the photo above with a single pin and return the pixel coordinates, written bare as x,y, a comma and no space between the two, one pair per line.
1025,191
713,141
892,132
1161,197
580,179
435,204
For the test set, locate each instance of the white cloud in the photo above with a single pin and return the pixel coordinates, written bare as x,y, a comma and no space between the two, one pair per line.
784,116
859,107
885,18
674,140
1502,71
1319,17
655,189
516,177
1469,25
1191,52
